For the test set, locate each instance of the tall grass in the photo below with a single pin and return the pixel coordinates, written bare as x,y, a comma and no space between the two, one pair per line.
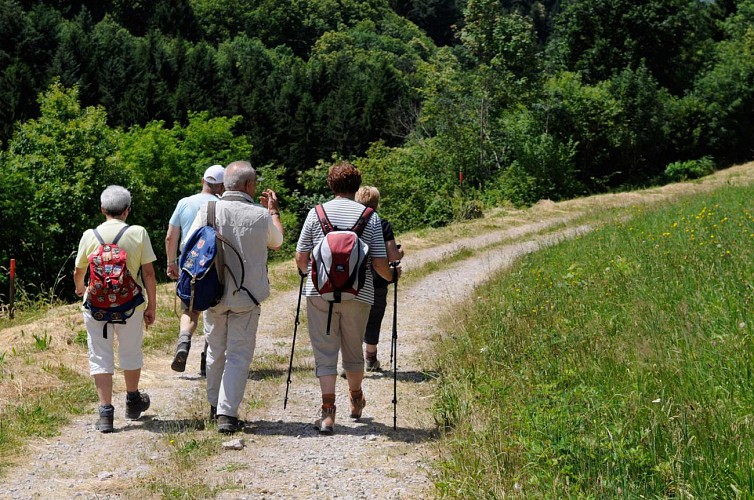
618,364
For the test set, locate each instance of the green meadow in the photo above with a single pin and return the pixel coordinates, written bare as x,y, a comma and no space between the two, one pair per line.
618,364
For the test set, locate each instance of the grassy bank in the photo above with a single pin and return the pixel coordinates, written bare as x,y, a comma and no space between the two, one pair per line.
618,364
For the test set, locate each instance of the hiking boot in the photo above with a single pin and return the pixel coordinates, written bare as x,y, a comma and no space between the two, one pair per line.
181,355
357,404
105,422
228,425
136,403
213,412
203,365
373,364
326,424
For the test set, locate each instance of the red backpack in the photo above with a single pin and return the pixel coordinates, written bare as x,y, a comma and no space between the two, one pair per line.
339,260
113,293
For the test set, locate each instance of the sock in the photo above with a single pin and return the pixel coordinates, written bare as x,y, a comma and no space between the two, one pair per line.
132,396
328,400
357,395
371,355
184,336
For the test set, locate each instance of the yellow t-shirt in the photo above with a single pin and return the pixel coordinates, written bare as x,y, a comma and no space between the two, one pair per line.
135,241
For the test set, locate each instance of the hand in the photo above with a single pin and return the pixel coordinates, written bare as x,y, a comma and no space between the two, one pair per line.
149,315
269,199
80,290
173,271
396,265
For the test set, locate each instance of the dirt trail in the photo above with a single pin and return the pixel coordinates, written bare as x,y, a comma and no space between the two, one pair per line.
284,457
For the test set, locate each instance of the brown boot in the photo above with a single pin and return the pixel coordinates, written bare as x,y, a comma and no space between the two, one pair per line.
358,402
327,423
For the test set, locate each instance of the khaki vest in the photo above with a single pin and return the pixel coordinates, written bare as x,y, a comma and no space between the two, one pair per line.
245,224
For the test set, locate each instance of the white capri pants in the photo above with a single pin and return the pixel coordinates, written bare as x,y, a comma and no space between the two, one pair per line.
101,350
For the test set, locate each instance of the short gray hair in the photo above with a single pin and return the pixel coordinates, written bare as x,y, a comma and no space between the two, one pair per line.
237,174
115,200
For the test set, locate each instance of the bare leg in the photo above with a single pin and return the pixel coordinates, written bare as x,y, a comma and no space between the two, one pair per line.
104,384
132,380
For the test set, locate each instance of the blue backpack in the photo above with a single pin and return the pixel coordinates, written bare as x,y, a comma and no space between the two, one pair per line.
200,284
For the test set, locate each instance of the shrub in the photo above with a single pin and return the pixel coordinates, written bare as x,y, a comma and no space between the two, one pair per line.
689,169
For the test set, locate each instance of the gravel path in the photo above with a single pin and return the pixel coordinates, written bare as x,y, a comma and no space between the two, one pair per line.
283,455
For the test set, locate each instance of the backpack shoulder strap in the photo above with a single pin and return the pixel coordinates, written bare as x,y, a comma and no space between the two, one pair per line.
98,236
324,222
358,228
120,233
211,206
117,237
220,255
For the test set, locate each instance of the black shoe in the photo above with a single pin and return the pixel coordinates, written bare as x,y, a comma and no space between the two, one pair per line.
136,405
105,422
181,355
213,412
228,425
203,365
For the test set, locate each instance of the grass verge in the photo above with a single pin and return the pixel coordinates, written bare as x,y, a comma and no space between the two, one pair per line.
618,364
43,414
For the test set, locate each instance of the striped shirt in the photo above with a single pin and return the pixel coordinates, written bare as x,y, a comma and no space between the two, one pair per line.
343,214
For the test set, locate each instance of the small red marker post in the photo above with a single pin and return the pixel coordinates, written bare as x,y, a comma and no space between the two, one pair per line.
12,287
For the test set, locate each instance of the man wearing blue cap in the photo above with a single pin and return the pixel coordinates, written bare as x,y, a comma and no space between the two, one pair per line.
178,232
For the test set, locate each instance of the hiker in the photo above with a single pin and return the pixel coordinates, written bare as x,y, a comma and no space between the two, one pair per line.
349,318
115,205
251,228
370,197
177,234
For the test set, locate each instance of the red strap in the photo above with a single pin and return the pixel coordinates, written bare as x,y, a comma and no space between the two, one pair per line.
357,228
324,222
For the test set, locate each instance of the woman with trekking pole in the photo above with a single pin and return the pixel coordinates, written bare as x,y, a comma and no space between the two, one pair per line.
369,196
336,325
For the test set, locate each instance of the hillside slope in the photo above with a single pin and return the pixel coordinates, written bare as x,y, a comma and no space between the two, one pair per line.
169,452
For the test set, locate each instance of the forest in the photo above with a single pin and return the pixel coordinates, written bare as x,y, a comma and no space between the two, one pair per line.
447,106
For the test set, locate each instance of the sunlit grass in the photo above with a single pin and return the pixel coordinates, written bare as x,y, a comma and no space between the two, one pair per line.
618,364
43,414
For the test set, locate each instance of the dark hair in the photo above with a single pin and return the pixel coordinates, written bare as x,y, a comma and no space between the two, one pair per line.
343,178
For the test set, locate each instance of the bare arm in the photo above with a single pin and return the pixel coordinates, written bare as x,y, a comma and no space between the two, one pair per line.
393,252
172,241
150,284
302,262
78,279
269,200
382,266
278,224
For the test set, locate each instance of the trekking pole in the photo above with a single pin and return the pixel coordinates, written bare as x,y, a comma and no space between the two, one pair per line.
295,329
12,293
394,343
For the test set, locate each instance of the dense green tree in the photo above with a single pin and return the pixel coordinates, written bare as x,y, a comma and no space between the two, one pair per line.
437,18
601,37
27,43
166,164
727,90
64,159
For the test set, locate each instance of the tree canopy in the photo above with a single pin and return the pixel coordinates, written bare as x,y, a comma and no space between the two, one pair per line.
452,105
